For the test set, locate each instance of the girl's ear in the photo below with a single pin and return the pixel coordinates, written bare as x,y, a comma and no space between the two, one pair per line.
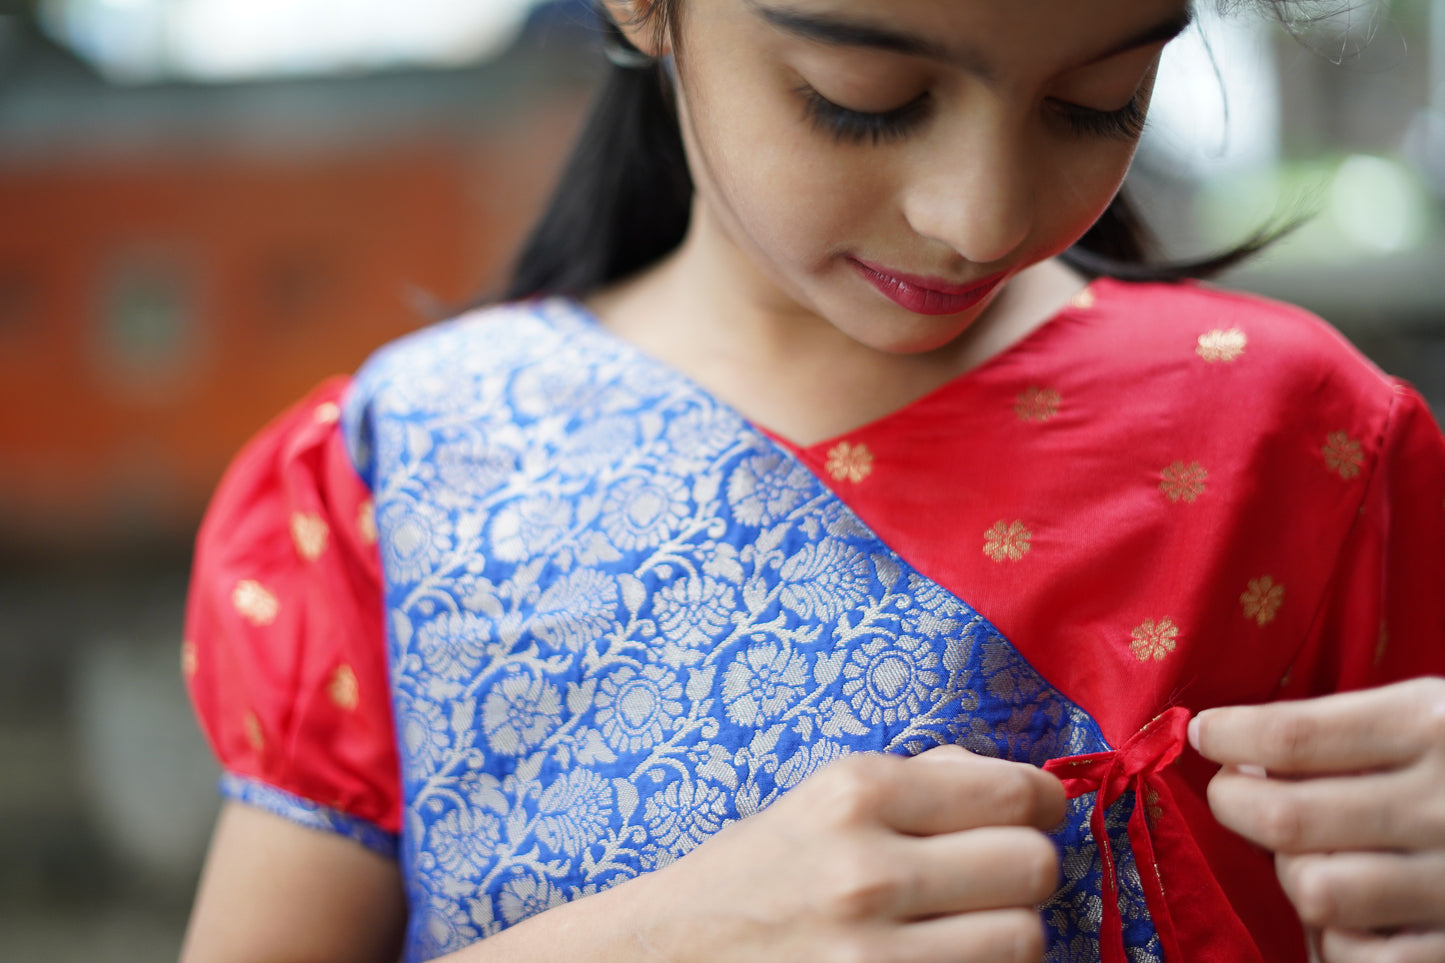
637,19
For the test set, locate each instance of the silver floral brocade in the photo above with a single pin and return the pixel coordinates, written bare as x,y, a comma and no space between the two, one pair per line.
620,617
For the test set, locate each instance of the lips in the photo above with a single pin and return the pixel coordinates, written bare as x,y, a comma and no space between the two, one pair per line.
931,296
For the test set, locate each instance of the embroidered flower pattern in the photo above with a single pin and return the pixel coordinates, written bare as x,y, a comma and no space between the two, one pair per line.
464,839
850,462
762,682
1007,541
1183,483
530,527
575,812
309,533
606,650
366,522
576,610
519,712
695,610
417,538
343,689
255,736
890,680
825,579
1153,807
190,659
644,512
1037,404
1221,346
525,896
1262,599
255,603
1154,640
765,487
1084,300
684,814
635,709
1343,455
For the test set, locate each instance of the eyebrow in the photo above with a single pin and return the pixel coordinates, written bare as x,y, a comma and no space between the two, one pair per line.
839,31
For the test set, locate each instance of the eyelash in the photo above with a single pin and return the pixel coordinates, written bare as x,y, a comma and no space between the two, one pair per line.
857,127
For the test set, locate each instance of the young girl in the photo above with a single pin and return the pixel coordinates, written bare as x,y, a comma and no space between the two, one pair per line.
812,562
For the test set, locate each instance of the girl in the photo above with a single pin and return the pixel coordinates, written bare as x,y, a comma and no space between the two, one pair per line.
810,537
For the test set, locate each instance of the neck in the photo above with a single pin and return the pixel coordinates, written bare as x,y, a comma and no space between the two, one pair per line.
711,312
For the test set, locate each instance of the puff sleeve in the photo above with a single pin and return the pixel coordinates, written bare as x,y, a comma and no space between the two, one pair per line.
1384,617
285,645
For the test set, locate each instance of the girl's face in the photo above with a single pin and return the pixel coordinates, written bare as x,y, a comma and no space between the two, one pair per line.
888,164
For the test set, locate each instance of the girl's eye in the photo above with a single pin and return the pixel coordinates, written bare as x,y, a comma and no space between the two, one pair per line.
1126,123
857,127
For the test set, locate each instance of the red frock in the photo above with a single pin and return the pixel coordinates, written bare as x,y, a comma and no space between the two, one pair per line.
1167,496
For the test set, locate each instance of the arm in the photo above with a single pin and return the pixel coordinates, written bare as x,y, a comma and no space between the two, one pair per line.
938,858
275,891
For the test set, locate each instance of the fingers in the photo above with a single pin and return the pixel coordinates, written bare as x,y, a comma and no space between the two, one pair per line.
1353,731
935,876
1341,946
994,936
945,790
1393,810
1366,891
981,869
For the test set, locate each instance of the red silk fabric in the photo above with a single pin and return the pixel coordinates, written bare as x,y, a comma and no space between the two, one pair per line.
1167,498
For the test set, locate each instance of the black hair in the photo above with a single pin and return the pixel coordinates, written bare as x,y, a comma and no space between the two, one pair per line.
625,196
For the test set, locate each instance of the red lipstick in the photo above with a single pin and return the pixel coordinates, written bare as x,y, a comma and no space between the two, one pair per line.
931,296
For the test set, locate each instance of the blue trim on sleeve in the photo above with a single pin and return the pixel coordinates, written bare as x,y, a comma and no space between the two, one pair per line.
304,812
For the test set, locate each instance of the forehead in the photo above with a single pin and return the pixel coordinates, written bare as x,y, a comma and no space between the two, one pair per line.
977,35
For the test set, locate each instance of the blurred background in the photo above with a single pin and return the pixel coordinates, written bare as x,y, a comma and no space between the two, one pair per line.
206,206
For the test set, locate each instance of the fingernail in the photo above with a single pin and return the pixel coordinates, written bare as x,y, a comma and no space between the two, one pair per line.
1194,733
1258,772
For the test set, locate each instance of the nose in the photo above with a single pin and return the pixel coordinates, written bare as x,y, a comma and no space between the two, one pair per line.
976,195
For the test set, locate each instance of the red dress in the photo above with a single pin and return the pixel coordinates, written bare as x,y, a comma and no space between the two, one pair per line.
1167,497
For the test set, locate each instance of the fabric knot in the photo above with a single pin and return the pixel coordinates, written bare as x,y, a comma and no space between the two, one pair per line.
1136,765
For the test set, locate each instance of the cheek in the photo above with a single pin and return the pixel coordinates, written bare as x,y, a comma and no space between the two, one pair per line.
784,185
1075,195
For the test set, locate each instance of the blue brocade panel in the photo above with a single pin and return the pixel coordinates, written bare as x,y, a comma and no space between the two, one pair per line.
620,618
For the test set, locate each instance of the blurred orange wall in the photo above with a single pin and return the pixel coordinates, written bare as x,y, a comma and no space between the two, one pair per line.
156,309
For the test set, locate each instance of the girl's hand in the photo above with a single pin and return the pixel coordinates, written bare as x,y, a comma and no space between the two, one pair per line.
940,857
1349,792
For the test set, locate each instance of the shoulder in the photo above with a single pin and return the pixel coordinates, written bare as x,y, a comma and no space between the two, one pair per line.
483,339
1234,343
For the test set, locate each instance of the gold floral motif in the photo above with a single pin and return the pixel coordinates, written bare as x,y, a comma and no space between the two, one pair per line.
1219,345
255,603
309,532
1262,600
255,738
1181,482
366,521
190,659
1343,455
343,689
1084,300
1154,640
328,413
1153,807
1037,404
1007,541
850,462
